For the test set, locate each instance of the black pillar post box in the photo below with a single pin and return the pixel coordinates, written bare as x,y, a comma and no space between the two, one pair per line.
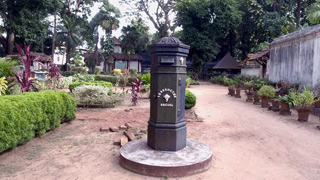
167,126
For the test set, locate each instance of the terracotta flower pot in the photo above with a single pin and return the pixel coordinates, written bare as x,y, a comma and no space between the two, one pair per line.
270,102
232,91
229,91
238,93
256,99
276,105
285,109
250,96
264,102
303,114
317,104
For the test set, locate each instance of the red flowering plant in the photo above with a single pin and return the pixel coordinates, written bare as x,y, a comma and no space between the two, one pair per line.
26,58
22,76
135,90
21,79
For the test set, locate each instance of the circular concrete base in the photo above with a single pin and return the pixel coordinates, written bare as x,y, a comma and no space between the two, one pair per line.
138,157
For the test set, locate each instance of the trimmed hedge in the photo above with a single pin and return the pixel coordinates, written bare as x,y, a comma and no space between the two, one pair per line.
107,78
73,85
190,100
22,117
68,73
113,79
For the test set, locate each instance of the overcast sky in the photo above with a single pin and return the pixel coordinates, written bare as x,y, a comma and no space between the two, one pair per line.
124,20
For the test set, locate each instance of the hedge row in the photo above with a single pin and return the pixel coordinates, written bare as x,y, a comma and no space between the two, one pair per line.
22,117
73,85
113,79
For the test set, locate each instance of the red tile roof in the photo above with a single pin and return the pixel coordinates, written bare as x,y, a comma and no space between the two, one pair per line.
116,56
116,41
261,57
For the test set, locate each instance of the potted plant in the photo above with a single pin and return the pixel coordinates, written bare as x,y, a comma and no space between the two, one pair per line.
249,91
303,103
317,93
275,103
285,105
238,84
266,92
257,84
231,88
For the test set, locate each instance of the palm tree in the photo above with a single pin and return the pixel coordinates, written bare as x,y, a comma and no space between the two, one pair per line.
70,36
314,13
106,18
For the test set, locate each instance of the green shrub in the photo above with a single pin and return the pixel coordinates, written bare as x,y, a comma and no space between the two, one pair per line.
95,97
267,91
214,80
6,65
133,72
113,79
146,78
81,77
108,85
303,100
190,100
64,82
194,82
25,116
68,73
188,81
145,88
107,78
285,99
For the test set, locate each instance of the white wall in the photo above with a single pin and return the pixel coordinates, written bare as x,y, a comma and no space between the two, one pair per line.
117,49
296,57
134,65
102,66
251,72
59,59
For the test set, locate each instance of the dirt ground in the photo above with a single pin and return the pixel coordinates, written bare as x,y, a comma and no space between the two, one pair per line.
248,143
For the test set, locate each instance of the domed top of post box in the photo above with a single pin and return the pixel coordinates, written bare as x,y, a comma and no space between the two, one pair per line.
169,44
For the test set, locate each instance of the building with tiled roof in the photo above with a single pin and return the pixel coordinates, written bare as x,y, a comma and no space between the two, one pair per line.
118,60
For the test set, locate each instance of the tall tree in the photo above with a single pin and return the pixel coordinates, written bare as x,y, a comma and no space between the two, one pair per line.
18,16
135,37
207,26
69,35
108,19
75,25
161,18
298,13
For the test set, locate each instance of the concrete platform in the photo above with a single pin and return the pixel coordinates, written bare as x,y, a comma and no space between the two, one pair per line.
138,157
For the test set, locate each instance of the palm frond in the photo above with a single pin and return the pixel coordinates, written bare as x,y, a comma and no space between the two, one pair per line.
314,13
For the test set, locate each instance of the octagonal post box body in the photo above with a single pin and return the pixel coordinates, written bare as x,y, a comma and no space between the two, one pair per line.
167,126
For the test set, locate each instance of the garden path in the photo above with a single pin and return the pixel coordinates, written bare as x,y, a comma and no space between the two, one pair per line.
248,143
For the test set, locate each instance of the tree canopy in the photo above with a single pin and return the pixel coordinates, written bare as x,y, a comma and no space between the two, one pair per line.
211,27
135,36
207,27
